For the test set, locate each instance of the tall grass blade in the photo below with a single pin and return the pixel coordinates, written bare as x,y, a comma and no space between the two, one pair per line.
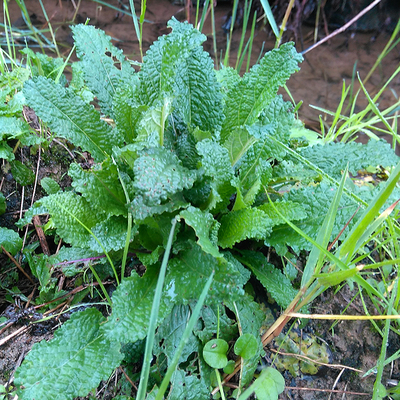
50,28
229,36
135,20
348,247
251,39
381,362
203,16
270,17
246,15
148,353
388,48
284,22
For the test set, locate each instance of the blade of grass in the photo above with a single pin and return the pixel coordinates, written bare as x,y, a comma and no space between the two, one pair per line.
284,22
270,17
148,353
229,36
385,51
348,246
135,21
250,42
50,28
214,35
246,15
10,44
185,338
203,16
381,362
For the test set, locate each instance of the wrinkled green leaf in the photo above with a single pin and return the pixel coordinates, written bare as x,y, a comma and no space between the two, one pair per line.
50,186
315,201
249,96
127,113
100,186
176,66
158,176
132,302
71,364
187,386
238,143
68,116
169,334
249,223
10,240
215,317
206,228
104,65
217,165
189,271
333,157
274,281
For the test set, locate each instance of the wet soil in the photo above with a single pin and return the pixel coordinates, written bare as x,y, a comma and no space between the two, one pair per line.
352,344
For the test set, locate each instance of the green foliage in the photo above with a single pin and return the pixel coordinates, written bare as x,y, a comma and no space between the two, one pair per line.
214,353
206,149
10,240
21,173
246,346
3,204
73,363
333,156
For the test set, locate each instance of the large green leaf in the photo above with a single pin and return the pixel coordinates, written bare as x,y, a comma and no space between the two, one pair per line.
159,175
251,95
100,186
275,282
189,271
217,165
126,112
132,302
238,143
10,240
247,223
333,157
290,210
68,116
72,216
111,233
104,65
206,228
71,364
176,66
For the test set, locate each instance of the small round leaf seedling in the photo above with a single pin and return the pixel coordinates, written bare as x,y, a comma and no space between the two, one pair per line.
214,353
230,367
246,346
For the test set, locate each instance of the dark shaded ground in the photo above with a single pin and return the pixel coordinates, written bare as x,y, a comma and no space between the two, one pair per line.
349,344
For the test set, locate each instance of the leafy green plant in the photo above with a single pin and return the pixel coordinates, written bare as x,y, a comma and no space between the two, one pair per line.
210,150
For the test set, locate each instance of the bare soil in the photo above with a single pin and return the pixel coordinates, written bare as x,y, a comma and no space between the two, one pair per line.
351,344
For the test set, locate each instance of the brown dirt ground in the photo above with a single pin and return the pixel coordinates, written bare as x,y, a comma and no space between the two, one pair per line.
352,344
